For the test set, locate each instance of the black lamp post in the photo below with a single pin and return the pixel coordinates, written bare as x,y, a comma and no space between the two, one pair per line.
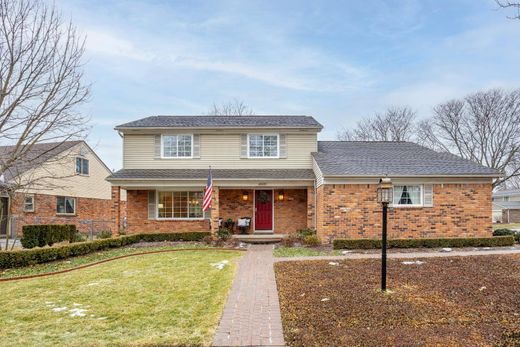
384,196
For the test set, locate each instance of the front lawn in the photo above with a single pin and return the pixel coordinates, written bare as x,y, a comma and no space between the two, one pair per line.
280,252
156,299
506,226
459,301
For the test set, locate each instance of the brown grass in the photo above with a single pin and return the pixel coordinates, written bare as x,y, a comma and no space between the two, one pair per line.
459,301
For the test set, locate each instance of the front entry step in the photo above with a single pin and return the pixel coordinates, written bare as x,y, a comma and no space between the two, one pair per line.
260,237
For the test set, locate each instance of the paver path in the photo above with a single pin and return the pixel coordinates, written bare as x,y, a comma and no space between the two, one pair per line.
404,255
251,316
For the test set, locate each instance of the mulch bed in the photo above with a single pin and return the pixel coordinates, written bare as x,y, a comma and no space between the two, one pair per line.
458,301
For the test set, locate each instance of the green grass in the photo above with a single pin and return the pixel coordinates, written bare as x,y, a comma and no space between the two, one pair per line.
506,226
86,259
281,252
157,299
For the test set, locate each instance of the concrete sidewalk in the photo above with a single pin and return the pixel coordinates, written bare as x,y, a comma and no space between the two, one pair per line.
465,253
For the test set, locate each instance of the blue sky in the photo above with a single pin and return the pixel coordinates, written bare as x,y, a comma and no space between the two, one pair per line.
338,61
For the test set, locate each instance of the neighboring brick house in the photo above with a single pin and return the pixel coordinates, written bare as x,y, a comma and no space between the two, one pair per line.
506,206
70,188
275,171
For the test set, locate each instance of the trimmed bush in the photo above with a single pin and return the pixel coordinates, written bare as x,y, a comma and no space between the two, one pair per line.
497,241
104,234
223,233
19,258
47,234
505,231
302,233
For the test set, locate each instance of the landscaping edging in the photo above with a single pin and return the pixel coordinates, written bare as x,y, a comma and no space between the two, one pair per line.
8,279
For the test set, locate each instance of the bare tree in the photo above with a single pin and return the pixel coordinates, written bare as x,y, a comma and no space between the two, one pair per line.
507,4
231,108
41,84
396,124
483,127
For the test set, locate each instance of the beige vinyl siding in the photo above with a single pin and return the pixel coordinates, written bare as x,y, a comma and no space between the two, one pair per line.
221,151
317,173
65,182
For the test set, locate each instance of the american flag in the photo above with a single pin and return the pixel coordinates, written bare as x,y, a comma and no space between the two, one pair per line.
206,202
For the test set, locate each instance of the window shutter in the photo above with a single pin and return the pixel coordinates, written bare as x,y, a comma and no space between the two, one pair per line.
196,146
243,146
151,205
283,146
428,195
157,146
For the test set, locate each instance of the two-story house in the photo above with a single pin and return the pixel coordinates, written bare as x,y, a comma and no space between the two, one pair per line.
60,183
274,170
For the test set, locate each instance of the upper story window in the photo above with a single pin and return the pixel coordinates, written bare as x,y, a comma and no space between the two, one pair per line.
263,145
409,195
82,166
177,146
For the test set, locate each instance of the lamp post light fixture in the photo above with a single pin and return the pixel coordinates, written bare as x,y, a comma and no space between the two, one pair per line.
384,196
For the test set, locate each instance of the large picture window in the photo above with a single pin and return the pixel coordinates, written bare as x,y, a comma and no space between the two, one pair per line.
263,145
180,205
65,205
177,146
409,195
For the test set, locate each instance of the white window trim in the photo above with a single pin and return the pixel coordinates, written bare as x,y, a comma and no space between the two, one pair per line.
75,167
24,204
421,204
176,218
177,157
66,213
263,157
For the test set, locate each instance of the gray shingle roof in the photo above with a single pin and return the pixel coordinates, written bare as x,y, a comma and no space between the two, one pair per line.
271,121
202,174
38,154
358,158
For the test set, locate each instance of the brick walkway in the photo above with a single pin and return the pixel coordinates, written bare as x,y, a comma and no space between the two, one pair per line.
251,316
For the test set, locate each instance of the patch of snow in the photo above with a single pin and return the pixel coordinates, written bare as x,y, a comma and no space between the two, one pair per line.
49,303
325,299
77,312
93,284
75,304
417,262
447,249
345,252
102,318
220,265
59,309
333,263
482,288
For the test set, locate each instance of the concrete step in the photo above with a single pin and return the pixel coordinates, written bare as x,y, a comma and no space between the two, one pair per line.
260,238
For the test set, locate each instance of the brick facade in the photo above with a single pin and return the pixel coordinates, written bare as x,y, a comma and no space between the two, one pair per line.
290,214
352,211
138,222
87,209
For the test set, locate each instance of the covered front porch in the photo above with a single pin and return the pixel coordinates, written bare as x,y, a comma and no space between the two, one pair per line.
270,210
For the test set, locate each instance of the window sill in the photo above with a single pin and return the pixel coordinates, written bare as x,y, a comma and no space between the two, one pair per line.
66,214
407,206
179,219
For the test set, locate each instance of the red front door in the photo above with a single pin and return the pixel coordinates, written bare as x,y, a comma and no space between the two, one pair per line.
264,210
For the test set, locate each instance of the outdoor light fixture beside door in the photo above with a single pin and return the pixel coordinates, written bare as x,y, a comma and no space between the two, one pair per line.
281,195
245,196
384,196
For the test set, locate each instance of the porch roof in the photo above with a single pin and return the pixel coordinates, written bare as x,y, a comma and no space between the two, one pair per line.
218,174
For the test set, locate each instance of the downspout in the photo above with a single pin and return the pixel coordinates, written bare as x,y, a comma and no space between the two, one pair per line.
315,217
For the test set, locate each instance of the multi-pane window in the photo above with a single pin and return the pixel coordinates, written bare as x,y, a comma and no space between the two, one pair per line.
28,203
174,146
82,166
65,205
408,195
262,145
180,205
